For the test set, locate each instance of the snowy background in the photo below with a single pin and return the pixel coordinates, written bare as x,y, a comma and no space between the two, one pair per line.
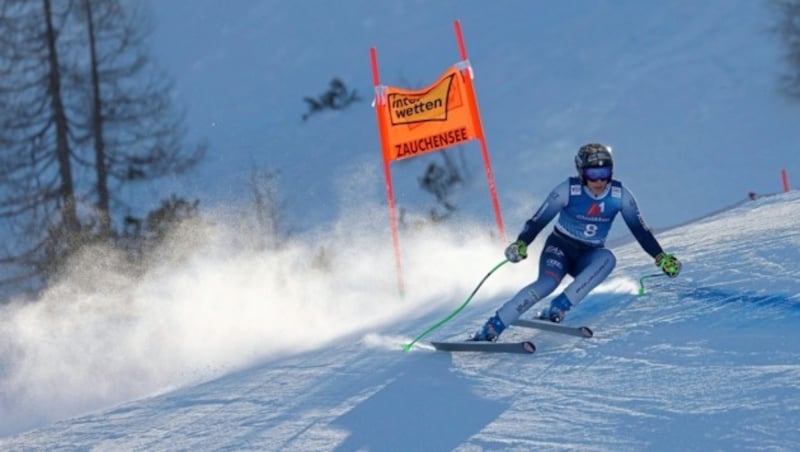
229,348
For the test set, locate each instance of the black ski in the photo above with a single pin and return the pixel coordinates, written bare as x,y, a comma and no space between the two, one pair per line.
525,347
580,331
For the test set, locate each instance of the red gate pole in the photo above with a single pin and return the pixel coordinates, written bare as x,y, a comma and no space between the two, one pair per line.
380,101
466,72
785,179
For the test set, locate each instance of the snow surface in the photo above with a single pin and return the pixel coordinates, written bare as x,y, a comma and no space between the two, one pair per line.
707,361
221,347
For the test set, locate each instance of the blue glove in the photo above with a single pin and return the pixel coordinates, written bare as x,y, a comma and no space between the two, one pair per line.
517,251
668,264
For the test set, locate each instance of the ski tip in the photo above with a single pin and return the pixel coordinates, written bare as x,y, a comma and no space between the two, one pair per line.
528,346
586,332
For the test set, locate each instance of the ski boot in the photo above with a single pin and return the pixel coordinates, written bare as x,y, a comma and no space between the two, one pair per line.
491,330
557,310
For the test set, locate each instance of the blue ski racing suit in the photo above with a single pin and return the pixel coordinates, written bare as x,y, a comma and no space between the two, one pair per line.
576,247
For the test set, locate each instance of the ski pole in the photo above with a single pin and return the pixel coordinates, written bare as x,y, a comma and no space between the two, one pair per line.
408,346
650,275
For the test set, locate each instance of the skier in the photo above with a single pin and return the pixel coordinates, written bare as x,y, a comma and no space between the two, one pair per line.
586,205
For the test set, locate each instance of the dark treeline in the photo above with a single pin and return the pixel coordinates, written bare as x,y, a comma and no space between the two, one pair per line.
84,115
787,27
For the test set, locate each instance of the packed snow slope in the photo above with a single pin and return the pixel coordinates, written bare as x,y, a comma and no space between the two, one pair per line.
706,361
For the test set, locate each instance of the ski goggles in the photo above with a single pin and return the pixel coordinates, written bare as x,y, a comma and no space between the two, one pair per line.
597,173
